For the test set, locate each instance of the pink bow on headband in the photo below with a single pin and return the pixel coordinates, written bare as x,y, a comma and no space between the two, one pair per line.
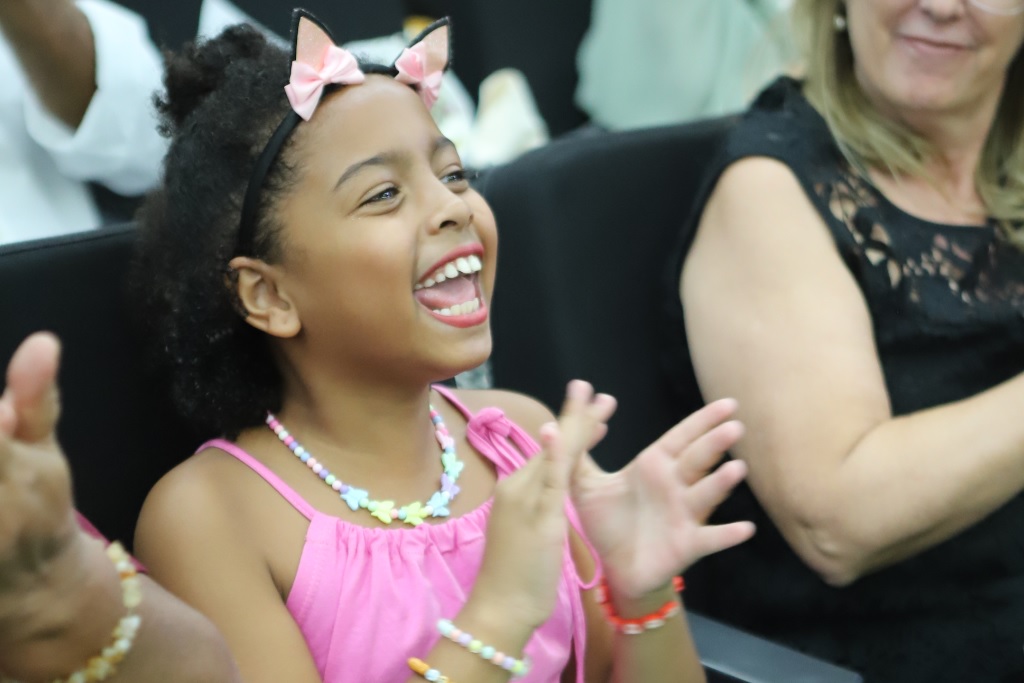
306,86
412,70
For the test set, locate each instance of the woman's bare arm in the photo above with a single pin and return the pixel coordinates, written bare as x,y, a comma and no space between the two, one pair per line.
775,320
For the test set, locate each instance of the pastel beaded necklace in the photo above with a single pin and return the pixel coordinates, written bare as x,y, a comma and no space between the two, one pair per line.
384,510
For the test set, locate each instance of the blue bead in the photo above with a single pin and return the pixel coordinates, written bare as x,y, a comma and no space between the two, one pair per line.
487,652
304,457
445,627
432,675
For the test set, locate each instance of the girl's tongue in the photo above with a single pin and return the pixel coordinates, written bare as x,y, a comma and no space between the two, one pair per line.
446,294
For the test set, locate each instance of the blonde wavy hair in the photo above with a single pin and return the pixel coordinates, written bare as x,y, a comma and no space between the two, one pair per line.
870,140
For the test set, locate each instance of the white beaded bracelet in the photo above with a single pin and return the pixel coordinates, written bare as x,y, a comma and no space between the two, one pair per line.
104,665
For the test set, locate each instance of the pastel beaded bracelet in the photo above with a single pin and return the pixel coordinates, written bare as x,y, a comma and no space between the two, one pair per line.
638,625
104,665
516,667
420,667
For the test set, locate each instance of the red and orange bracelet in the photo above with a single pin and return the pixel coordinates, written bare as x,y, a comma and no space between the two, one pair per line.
639,625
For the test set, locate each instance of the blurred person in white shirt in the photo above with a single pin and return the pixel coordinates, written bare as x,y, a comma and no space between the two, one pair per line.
76,108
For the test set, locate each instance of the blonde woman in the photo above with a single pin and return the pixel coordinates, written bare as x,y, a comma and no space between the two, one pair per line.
856,281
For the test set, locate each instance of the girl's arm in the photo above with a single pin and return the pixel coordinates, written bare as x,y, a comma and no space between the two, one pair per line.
775,319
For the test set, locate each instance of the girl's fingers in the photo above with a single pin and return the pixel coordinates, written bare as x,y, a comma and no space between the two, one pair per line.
712,539
690,429
695,461
603,407
708,493
583,418
554,473
580,424
600,431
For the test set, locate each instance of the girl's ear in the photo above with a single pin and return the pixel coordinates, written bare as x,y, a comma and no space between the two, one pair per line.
266,303
437,45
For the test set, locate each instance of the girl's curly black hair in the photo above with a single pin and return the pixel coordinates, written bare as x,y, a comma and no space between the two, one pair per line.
224,98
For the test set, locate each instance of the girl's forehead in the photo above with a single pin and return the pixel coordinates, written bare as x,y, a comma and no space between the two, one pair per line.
364,115
379,119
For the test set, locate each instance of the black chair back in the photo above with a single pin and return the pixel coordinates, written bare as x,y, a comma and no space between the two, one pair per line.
118,427
585,228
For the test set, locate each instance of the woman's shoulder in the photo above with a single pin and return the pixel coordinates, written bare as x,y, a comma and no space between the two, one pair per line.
782,124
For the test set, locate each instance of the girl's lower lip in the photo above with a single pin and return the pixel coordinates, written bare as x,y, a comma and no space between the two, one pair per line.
468,320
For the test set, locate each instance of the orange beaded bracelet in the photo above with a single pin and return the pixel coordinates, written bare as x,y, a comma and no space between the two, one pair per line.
425,671
632,627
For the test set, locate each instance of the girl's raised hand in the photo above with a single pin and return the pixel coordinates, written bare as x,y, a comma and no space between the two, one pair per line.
648,521
527,530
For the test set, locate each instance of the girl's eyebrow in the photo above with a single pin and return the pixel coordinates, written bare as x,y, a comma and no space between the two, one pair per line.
389,158
385,159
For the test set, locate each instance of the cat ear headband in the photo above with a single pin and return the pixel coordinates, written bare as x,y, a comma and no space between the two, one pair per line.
319,66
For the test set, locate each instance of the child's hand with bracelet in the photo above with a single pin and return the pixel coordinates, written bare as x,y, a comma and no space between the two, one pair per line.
647,521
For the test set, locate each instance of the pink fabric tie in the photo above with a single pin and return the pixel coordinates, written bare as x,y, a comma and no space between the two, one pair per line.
306,85
412,70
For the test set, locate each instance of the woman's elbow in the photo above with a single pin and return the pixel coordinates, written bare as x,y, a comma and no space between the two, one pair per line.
830,548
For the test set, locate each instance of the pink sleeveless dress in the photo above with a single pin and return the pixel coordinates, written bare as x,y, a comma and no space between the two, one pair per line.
367,599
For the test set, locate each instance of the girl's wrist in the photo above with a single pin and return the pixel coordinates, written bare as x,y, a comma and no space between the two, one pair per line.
630,605
497,619
498,600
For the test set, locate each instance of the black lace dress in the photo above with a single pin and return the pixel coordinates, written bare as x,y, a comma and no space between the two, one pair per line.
947,303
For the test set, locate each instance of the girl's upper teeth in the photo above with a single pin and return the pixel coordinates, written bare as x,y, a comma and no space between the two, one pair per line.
463,265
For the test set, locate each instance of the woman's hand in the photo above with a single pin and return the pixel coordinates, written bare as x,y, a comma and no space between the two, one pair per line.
36,515
526,534
647,521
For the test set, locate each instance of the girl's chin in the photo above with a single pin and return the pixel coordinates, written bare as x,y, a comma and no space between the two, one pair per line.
468,359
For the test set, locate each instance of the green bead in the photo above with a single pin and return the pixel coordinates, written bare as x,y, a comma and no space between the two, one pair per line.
330,479
372,506
475,646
